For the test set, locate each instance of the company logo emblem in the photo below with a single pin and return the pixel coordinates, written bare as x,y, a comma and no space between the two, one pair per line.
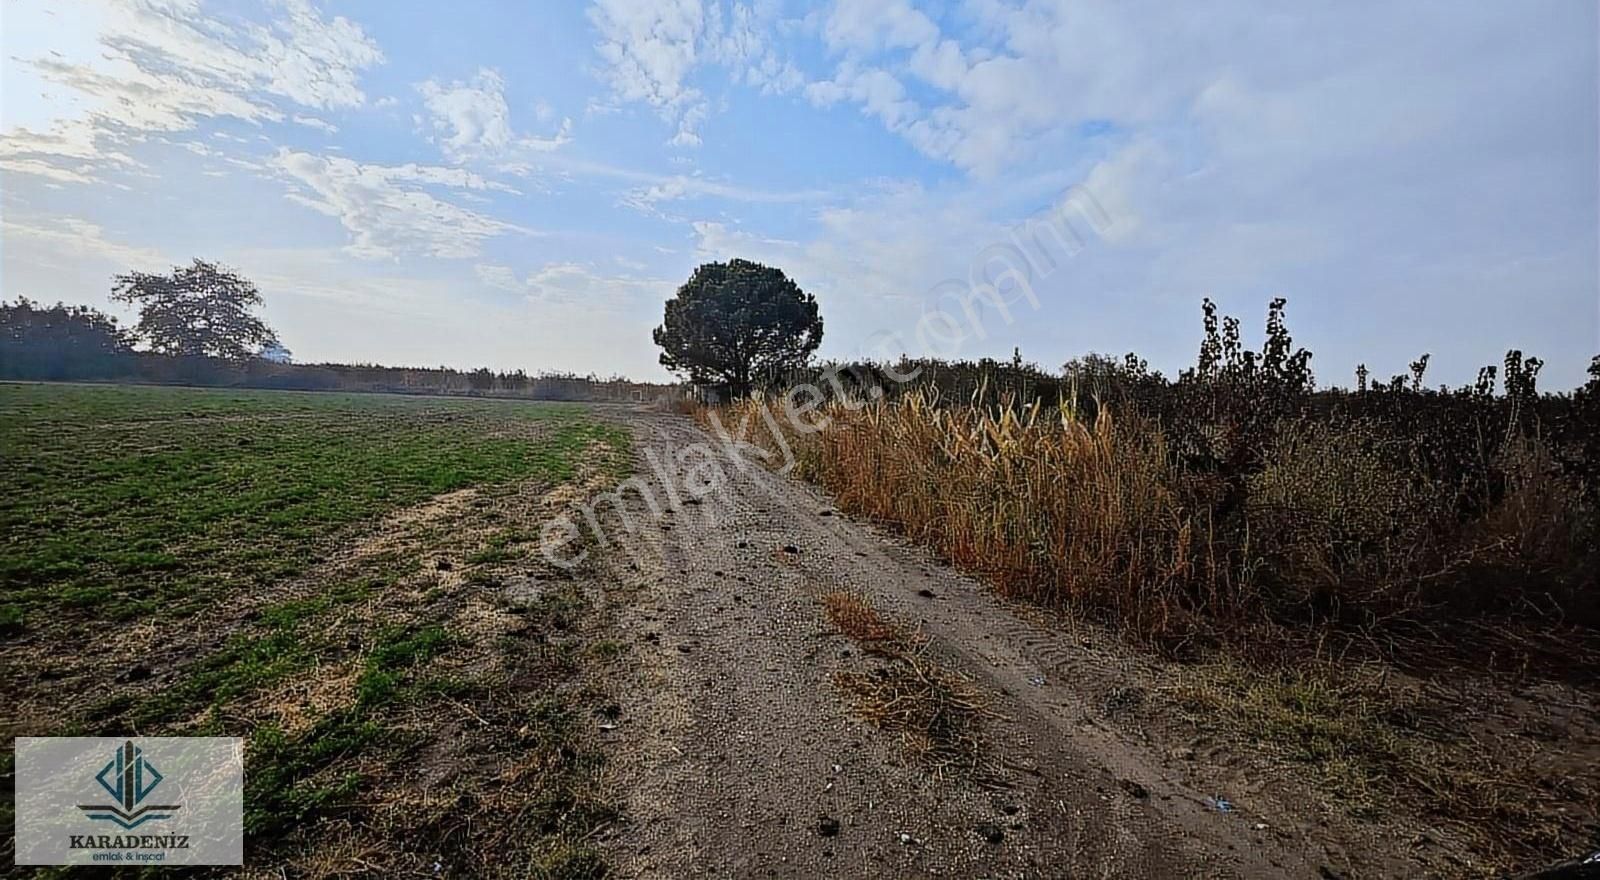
129,779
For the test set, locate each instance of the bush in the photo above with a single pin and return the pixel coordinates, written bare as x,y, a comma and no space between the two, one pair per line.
1236,502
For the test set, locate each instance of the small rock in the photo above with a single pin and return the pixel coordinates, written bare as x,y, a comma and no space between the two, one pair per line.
827,826
1134,789
990,832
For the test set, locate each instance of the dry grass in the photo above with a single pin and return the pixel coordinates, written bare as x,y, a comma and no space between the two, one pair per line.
937,714
1328,541
860,622
1051,508
1326,529
1376,744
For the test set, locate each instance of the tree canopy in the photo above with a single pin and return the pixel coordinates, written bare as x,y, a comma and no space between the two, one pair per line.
200,310
58,341
735,323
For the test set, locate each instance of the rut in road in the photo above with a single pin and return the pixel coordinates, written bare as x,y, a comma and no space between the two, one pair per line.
739,755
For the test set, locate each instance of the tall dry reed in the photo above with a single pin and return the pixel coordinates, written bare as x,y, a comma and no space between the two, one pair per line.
1327,527
1050,508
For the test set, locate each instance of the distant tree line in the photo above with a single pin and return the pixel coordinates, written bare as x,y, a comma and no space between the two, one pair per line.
197,327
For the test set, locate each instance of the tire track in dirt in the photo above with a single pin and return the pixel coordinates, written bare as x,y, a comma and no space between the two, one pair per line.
736,745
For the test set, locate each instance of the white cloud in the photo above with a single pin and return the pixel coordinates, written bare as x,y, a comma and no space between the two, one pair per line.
650,46
471,116
475,122
651,49
312,61
688,122
385,209
318,124
67,242
161,66
47,170
498,277
871,25
660,190
877,91
577,284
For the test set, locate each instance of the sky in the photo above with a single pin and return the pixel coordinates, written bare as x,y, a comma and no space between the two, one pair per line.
523,185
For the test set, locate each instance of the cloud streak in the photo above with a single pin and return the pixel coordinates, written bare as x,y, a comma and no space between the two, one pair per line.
387,210
163,66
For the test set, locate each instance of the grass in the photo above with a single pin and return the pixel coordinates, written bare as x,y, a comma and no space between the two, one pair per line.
119,503
284,785
1375,746
321,574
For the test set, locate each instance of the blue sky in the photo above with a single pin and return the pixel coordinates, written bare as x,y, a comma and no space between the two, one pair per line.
524,185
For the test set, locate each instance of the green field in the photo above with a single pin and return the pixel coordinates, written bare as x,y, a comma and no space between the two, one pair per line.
125,502
321,573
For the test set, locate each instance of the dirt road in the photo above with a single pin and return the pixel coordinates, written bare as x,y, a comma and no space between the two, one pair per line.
739,754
